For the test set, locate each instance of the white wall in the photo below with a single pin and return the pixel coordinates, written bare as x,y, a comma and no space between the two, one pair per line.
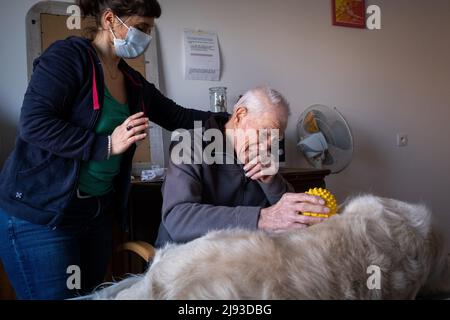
13,69
384,82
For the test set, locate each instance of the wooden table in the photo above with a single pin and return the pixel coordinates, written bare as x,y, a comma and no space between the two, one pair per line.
304,179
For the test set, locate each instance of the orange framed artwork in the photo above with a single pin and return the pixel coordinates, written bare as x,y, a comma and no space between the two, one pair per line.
349,13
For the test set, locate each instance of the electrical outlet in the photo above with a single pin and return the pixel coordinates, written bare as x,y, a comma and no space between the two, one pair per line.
402,140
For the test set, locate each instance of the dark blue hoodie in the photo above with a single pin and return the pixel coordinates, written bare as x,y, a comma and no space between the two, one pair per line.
57,131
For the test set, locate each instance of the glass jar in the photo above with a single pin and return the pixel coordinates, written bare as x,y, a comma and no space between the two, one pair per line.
218,99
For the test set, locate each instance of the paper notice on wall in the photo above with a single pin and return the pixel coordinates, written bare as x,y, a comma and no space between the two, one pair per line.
202,56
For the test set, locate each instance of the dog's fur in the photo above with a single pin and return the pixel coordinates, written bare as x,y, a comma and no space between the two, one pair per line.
326,261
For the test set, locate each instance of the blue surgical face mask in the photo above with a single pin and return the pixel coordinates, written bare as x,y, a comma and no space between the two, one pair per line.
135,43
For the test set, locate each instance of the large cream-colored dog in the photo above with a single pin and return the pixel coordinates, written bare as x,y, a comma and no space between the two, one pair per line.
337,259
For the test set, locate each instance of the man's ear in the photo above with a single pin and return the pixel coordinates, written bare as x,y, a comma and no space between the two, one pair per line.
240,113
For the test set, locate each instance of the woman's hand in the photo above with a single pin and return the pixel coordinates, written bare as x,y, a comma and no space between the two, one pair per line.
128,133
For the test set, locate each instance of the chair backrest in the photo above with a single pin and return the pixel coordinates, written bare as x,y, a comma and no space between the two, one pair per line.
145,206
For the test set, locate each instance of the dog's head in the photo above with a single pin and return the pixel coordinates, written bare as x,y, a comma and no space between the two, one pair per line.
416,216
407,228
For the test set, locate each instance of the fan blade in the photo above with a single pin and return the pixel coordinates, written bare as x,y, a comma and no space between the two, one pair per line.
313,145
310,123
341,137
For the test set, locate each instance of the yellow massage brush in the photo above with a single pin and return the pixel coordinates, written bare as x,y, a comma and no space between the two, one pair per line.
330,202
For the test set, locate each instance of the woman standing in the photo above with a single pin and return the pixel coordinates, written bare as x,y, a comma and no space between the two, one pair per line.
82,114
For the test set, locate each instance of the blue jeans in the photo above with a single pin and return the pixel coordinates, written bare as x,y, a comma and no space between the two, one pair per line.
36,258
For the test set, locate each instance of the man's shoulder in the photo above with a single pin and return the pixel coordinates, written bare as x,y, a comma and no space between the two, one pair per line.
201,133
204,145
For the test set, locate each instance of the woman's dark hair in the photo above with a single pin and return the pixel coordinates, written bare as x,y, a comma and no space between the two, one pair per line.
121,8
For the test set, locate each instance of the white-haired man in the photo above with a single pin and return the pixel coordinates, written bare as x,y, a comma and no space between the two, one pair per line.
200,197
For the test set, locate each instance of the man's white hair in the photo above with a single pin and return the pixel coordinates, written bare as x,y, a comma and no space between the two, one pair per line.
264,99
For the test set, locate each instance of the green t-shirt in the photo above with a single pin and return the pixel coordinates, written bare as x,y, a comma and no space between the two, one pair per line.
96,177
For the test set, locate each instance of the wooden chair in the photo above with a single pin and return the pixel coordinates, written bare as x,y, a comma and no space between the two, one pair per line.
143,249
145,218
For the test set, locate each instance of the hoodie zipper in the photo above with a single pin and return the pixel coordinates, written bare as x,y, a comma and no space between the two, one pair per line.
96,107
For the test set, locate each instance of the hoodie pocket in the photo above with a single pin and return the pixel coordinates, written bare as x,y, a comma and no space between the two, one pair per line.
47,185
39,167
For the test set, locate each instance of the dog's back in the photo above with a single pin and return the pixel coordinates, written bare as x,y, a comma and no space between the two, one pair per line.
332,260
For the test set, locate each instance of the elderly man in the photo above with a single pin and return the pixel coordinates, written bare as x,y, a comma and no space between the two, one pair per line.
200,197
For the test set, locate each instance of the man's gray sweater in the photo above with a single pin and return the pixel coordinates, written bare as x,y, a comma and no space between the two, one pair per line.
198,198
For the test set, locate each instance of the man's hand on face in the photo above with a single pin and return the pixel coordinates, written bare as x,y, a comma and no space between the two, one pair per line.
286,213
261,165
256,170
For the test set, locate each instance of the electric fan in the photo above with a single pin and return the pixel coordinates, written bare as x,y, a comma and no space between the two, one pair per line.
325,138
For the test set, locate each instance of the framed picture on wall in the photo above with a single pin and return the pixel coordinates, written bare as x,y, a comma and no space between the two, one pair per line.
349,13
